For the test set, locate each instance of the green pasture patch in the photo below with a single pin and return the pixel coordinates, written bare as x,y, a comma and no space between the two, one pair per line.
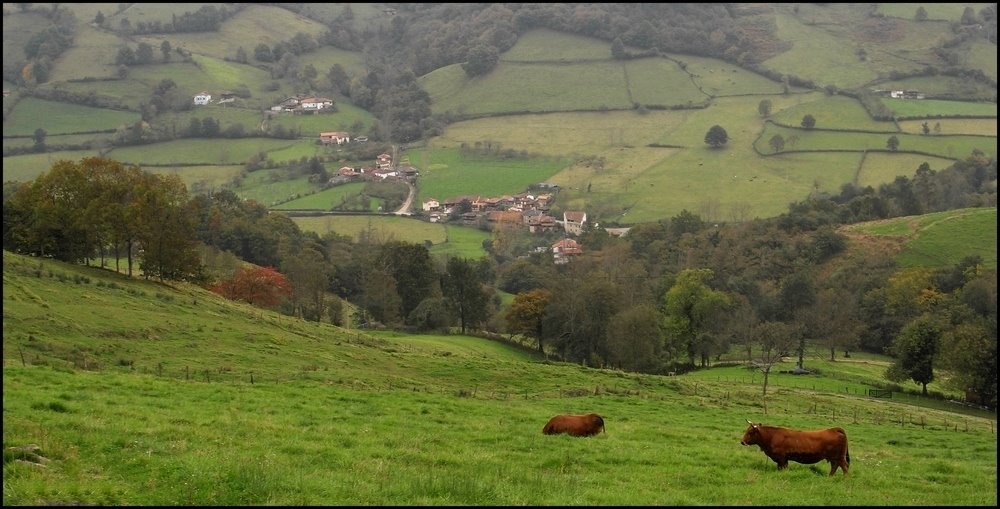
298,149
462,242
818,55
387,226
941,239
328,199
18,29
657,81
62,118
718,78
910,108
953,147
983,55
362,15
226,116
163,12
271,187
256,24
92,55
883,167
87,140
974,126
831,112
448,173
935,11
941,85
26,167
563,134
545,45
951,237
129,92
200,151
202,179
326,56
346,118
210,75
515,87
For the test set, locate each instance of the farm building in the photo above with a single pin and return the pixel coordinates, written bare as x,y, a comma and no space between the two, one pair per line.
202,98
338,137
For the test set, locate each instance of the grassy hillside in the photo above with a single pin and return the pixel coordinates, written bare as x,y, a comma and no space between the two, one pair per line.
134,393
938,239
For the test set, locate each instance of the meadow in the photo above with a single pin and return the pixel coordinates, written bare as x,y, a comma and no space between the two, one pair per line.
189,399
941,239
951,146
445,239
61,118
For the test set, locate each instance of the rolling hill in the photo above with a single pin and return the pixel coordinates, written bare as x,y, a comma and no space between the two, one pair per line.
122,391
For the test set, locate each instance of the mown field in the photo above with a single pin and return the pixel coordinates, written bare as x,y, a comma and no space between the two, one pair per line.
188,399
61,118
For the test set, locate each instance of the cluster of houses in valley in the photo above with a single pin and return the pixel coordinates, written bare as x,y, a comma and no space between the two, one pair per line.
295,104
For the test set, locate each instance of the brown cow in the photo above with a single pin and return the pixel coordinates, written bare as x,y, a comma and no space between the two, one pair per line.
575,425
783,445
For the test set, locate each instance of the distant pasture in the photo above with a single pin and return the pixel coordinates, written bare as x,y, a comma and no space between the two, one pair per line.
256,24
447,173
815,53
977,126
954,147
328,199
62,118
910,108
27,167
882,167
661,82
517,87
91,56
545,45
198,151
935,11
272,186
830,112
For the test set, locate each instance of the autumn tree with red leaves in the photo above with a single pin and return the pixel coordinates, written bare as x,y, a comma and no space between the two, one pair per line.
260,286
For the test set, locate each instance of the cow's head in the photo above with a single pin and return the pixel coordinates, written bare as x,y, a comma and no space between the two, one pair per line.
752,435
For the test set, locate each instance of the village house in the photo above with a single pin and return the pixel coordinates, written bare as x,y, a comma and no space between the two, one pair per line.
564,249
338,137
431,204
383,161
314,103
202,98
574,221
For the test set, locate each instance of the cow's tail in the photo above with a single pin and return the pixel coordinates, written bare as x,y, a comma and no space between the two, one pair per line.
847,453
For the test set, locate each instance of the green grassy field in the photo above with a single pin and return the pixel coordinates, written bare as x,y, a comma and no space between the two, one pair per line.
935,11
62,118
544,45
446,240
253,25
953,147
447,173
830,112
661,82
941,239
206,151
941,85
816,53
976,126
345,119
328,199
881,167
910,108
188,399
26,167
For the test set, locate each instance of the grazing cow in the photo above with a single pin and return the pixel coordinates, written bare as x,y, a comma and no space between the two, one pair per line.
575,425
783,445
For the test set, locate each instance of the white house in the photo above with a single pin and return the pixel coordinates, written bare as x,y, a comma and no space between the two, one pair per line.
315,103
202,98
431,204
338,137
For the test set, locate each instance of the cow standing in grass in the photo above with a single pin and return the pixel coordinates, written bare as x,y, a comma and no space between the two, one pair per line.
575,425
783,445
